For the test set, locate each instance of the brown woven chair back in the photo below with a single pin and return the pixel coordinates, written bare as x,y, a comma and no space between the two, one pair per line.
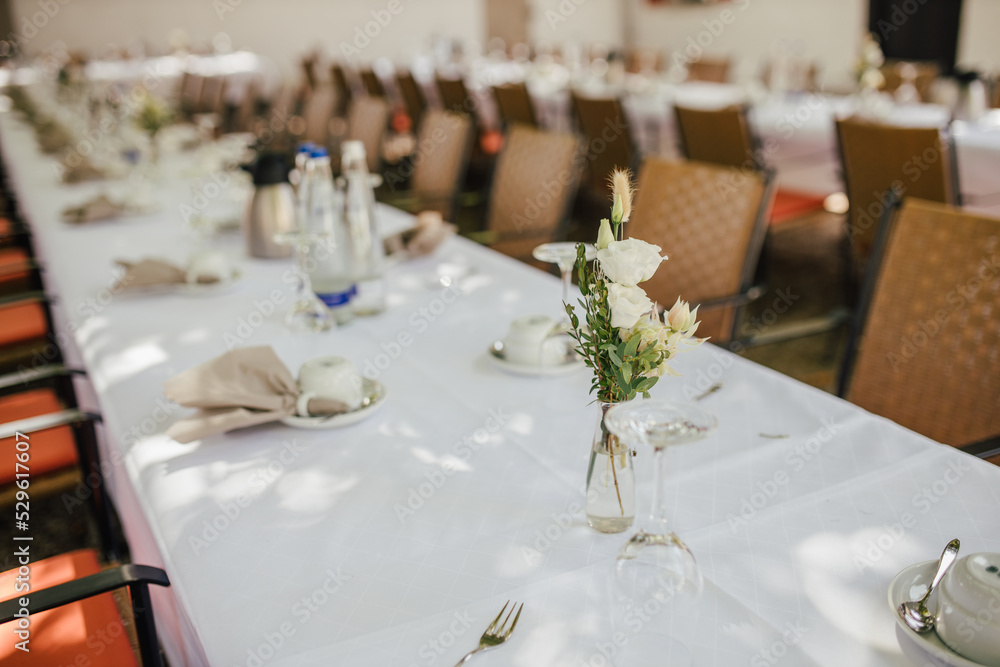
926,74
710,221
366,123
603,124
443,146
514,104
534,181
318,112
308,65
413,97
801,76
213,92
190,92
454,95
338,77
718,136
709,69
371,82
877,157
929,352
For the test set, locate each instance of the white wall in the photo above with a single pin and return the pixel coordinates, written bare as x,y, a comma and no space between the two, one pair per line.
576,21
280,29
826,30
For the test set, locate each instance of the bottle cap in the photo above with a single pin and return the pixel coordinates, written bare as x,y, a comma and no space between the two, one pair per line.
353,151
305,147
319,151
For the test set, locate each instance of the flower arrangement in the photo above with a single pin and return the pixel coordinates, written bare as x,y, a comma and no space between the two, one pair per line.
622,336
153,115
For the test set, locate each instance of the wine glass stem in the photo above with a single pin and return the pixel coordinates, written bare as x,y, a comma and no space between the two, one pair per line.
566,273
304,282
657,522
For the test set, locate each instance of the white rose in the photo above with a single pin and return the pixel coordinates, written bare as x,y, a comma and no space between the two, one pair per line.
629,262
628,304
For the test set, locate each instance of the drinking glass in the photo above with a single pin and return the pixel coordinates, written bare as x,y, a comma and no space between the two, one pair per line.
563,254
656,585
308,312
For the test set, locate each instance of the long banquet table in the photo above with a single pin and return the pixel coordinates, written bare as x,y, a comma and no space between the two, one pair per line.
395,541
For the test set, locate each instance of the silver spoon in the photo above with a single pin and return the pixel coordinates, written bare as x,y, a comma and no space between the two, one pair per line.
915,613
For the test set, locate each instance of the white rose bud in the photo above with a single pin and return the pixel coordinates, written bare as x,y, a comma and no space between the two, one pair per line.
628,304
604,235
629,262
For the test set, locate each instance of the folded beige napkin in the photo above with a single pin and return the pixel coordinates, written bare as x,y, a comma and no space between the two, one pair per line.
430,231
51,136
150,272
244,387
99,208
85,171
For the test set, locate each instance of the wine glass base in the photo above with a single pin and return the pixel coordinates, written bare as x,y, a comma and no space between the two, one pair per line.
309,316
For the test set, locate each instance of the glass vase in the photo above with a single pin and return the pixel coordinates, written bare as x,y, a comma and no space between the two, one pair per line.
610,498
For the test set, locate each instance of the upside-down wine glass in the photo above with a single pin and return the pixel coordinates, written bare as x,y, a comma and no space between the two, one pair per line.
563,254
656,584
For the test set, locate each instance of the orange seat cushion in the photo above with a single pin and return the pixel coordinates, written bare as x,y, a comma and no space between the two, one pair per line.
88,632
789,204
22,322
12,264
50,449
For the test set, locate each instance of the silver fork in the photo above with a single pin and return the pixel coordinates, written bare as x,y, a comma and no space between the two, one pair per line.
495,634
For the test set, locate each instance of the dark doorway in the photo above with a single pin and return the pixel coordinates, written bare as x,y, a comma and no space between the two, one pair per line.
917,29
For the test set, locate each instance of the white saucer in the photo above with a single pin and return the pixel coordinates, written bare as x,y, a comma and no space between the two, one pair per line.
570,363
374,399
911,584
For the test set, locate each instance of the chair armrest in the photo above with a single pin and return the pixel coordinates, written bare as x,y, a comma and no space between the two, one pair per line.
741,299
85,587
983,449
32,376
15,299
20,267
42,422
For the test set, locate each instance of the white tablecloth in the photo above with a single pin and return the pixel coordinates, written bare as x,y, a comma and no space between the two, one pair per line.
395,541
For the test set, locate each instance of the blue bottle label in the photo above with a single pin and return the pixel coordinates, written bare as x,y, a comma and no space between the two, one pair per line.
334,299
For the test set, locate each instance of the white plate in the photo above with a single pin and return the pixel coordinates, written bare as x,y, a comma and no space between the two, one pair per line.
570,364
374,394
911,584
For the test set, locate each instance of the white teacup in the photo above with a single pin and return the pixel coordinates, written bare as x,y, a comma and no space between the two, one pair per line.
332,378
209,266
526,342
968,608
